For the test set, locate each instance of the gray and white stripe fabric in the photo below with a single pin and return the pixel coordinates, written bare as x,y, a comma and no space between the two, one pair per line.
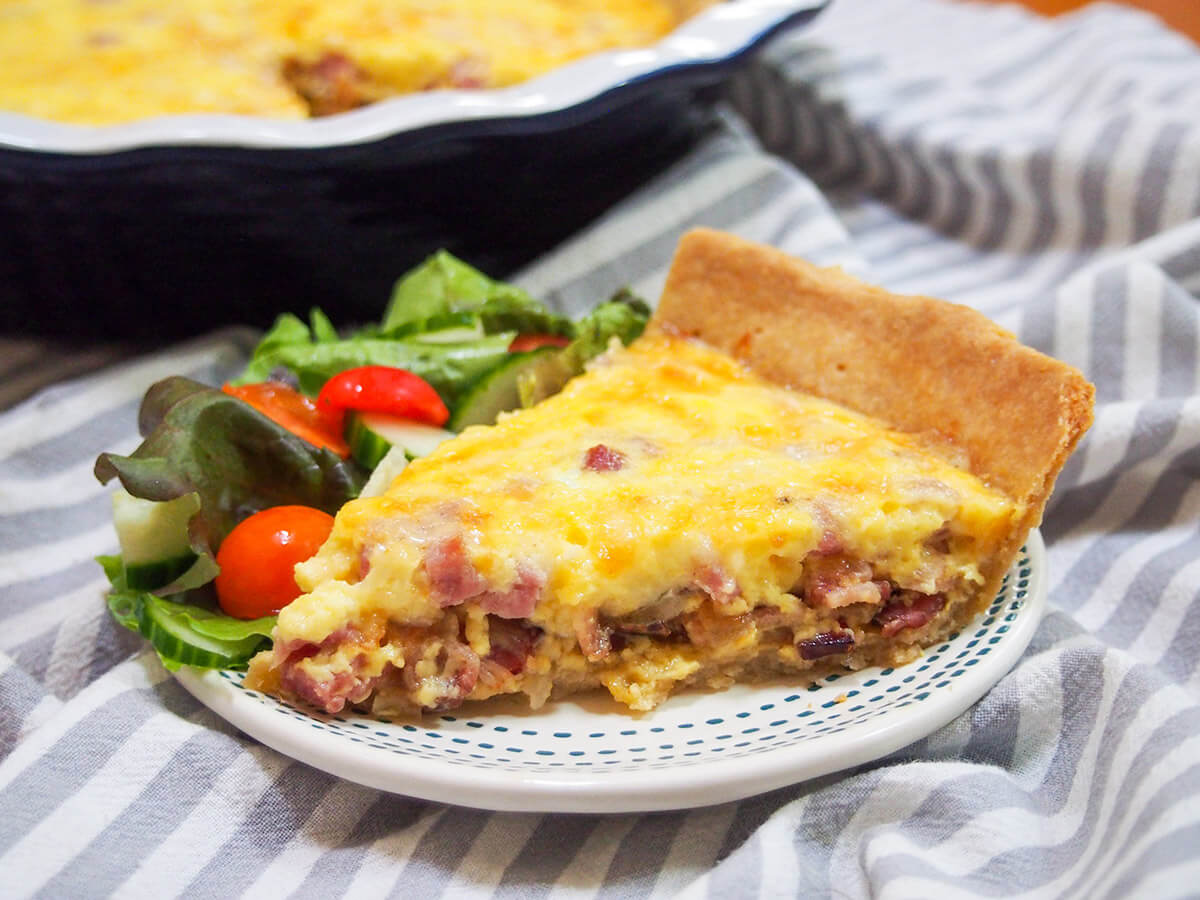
1046,172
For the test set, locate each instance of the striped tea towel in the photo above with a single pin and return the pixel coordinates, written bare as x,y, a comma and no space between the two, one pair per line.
1046,172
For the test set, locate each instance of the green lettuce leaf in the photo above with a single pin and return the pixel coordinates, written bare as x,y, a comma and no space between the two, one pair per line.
623,316
288,330
323,331
440,324
522,314
450,368
442,284
446,321
444,287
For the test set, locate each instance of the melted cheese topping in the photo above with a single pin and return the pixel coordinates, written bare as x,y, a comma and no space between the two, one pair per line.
106,61
725,478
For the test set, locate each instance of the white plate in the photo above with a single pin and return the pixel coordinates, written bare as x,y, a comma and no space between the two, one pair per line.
696,749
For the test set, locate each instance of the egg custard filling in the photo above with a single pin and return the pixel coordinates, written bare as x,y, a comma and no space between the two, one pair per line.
677,516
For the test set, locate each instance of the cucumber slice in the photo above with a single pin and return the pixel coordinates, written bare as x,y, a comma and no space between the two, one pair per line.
168,626
151,575
154,537
172,635
496,392
372,435
546,377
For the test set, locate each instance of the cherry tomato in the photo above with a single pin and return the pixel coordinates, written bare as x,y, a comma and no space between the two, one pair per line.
294,411
258,557
523,342
383,389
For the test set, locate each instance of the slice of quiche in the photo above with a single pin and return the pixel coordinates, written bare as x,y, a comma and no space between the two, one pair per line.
791,471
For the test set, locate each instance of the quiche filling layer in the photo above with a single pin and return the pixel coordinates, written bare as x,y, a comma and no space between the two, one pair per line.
98,62
670,518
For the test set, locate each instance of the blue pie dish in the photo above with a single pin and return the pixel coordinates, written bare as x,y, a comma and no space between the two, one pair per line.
173,225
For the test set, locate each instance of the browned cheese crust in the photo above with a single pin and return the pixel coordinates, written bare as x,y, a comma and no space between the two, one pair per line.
921,365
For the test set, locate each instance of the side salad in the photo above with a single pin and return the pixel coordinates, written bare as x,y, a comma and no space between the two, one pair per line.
233,485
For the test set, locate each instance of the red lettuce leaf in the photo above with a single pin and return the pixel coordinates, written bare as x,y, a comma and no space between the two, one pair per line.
197,438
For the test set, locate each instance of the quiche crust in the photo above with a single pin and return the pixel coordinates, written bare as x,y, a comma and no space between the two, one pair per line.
922,365
790,472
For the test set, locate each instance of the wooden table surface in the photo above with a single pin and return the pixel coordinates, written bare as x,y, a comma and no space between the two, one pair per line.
1182,15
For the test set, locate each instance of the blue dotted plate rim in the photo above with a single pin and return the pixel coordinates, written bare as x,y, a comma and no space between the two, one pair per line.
696,748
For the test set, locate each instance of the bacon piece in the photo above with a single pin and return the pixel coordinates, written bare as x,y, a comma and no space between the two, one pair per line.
346,686
908,610
458,672
469,72
708,628
828,643
602,458
511,643
332,694
826,518
492,676
519,601
103,39
452,577
834,581
293,651
364,562
717,583
594,637
331,84
830,544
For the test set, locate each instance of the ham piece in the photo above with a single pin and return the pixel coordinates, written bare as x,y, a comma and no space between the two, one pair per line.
908,610
453,579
